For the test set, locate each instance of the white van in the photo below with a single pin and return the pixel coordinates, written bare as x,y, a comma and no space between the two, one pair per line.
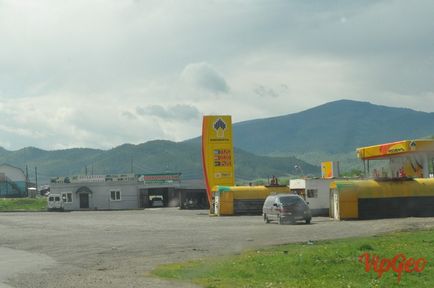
55,202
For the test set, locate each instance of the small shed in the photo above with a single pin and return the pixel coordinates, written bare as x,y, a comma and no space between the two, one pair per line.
315,191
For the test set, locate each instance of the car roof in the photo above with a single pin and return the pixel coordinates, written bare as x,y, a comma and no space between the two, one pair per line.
283,195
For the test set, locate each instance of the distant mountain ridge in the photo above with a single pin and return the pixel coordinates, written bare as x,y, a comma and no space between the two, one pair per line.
156,156
326,132
334,128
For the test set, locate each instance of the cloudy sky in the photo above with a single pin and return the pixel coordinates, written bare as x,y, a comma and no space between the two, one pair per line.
98,74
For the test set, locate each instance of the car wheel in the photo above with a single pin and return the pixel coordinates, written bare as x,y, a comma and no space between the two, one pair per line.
308,220
266,220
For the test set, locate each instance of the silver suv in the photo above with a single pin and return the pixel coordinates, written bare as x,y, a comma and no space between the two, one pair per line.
286,208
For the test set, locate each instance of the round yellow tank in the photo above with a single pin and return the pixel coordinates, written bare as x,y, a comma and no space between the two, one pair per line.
228,195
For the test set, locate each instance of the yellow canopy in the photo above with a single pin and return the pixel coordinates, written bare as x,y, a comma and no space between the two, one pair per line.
395,148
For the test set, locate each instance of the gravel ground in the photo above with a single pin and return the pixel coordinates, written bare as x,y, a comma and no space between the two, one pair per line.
119,248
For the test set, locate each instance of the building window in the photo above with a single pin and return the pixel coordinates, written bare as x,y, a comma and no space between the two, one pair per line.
312,193
67,197
115,195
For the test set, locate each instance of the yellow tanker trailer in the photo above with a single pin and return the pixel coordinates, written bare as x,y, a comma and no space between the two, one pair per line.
371,199
235,200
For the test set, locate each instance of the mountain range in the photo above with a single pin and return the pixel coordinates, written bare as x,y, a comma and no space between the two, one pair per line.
335,127
331,132
157,156
263,147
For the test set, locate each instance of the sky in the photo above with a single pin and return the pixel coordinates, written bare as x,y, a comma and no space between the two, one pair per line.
98,74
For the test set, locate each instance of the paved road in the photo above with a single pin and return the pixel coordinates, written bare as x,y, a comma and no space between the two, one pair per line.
119,248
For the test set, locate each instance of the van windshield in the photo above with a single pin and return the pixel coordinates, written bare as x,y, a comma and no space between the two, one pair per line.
289,200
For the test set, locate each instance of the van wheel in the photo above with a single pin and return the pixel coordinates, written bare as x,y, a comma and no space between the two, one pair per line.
279,220
266,219
308,220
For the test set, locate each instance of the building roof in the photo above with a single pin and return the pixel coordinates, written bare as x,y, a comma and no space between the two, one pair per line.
396,149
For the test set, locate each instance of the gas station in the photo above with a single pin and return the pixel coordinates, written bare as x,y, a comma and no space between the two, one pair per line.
407,158
405,188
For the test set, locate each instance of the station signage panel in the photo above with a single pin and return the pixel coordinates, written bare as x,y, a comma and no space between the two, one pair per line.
217,152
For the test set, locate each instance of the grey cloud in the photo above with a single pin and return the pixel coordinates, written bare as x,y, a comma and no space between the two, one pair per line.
381,51
140,111
378,34
206,77
386,42
154,110
265,92
129,115
176,112
186,112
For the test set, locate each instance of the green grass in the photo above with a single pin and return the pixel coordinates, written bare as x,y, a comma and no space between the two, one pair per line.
23,204
323,264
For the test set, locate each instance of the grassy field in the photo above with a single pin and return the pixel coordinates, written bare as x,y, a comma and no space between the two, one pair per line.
23,204
319,264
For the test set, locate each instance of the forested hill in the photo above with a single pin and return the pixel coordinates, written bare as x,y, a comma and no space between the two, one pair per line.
335,127
150,157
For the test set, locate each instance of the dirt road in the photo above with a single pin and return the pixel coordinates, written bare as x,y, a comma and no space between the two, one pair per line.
119,248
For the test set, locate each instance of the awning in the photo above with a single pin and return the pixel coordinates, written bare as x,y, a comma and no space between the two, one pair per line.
393,149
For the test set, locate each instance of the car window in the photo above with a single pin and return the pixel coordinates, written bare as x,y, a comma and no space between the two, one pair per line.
289,200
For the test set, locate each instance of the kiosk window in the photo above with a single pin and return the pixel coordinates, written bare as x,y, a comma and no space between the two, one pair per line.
115,195
312,193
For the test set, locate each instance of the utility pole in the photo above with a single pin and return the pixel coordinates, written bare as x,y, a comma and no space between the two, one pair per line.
36,178
131,165
299,168
27,180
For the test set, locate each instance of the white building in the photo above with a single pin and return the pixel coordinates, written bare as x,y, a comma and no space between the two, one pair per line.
315,191
123,191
